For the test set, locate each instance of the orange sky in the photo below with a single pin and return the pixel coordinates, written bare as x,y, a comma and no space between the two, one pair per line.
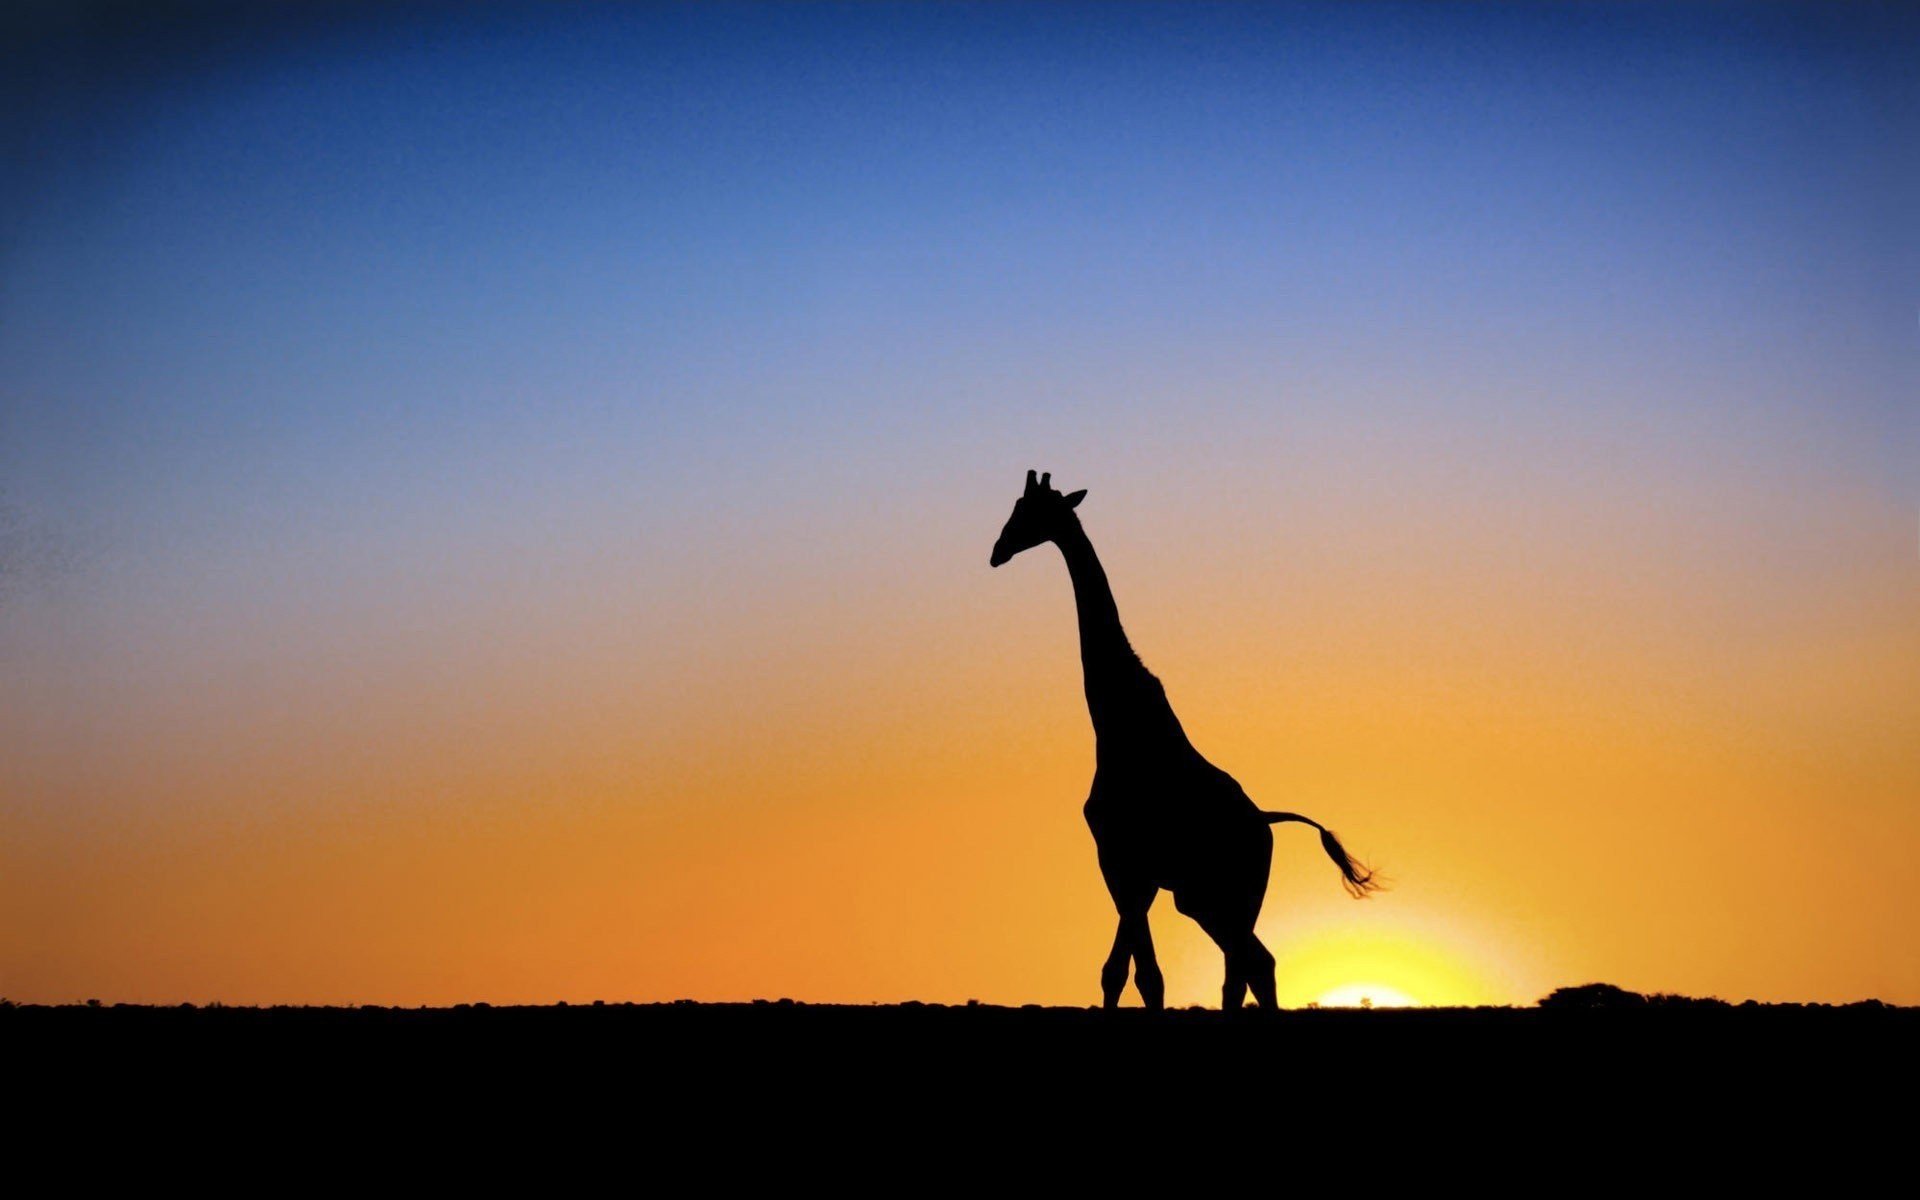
1615,754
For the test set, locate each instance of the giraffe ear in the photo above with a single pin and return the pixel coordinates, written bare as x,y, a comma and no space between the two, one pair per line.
1073,501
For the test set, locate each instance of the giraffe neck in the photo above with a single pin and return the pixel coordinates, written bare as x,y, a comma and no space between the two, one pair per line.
1123,698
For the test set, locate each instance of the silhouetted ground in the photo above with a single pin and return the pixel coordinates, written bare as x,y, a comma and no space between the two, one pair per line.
921,1099
797,1063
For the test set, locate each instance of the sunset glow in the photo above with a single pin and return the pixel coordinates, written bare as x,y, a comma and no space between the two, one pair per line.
1366,995
500,508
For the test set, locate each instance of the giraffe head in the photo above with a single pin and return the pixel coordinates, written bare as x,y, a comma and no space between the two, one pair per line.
1040,515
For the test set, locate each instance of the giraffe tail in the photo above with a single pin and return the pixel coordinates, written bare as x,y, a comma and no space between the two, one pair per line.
1357,877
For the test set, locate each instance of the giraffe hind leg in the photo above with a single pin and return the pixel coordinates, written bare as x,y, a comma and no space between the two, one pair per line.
1233,992
1257,962
1249,965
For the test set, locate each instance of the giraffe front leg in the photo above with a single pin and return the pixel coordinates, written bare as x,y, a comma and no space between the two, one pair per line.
1146,968
1113,973
1132,942
1133,895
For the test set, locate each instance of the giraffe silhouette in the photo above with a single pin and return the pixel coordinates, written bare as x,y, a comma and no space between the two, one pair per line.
1162,816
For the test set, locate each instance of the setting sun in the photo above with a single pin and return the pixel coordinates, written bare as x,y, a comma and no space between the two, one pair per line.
1366,995
1394,964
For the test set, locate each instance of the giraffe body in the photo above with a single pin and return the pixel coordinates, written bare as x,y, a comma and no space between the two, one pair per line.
1162,816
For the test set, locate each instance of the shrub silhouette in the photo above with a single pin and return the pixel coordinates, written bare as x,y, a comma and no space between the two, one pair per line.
1593,995
1609,998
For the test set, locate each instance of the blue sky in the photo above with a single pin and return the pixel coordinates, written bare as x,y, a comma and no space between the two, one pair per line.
291,229
344,288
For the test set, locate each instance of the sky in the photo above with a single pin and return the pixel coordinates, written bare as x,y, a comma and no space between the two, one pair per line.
495,501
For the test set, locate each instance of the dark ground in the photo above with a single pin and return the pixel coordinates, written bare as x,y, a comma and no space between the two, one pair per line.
794,1064
910,1100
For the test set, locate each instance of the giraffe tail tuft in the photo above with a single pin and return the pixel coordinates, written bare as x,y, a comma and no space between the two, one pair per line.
1356,877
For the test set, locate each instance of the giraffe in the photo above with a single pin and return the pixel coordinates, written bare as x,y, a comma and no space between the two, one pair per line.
1162,816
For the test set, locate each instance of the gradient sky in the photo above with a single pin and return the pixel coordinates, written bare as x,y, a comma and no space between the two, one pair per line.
497,506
